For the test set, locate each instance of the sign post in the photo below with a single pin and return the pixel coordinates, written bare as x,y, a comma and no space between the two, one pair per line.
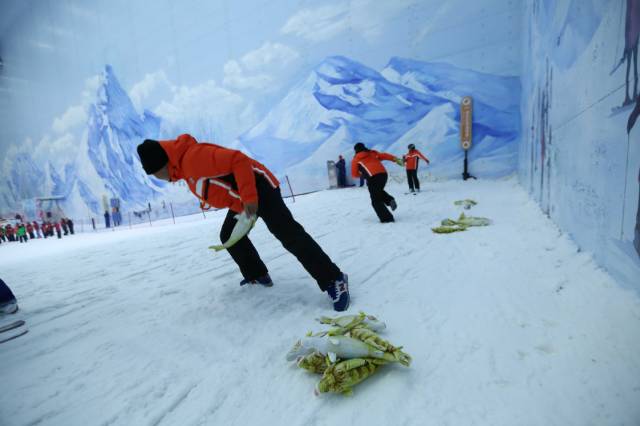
333,175
466,125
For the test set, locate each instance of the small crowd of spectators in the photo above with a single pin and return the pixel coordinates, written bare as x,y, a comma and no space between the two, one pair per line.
24,231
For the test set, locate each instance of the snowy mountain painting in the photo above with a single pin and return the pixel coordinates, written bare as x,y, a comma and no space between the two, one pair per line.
105,161
339,103
342,102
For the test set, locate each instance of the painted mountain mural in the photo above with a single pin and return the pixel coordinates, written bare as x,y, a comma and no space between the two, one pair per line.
339,103
105,164
342,102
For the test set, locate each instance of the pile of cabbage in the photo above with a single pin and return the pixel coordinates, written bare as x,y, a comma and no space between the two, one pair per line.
348,353
448,226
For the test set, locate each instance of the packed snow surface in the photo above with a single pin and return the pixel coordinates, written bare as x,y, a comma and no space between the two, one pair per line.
508,325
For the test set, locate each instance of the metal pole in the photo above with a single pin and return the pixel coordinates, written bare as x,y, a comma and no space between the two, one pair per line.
202,210
172,215
465,173
290,190
149,214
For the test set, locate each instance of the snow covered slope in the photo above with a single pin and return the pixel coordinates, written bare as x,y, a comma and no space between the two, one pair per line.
508,324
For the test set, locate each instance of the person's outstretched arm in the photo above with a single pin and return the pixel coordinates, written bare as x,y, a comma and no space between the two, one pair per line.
389,157
422,156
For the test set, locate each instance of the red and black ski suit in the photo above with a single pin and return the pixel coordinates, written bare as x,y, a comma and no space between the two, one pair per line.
227,178
368,163
411,160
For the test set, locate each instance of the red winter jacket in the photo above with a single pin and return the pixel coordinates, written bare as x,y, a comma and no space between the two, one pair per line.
411,159
370,163
218,176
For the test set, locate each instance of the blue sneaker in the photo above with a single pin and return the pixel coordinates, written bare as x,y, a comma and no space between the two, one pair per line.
264,280
339,293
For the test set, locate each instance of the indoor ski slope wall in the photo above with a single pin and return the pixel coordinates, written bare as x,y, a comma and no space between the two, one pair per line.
580,151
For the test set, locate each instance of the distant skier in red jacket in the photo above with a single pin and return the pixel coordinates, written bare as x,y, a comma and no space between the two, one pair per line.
411,160
36,227
368,163
30,230
56,225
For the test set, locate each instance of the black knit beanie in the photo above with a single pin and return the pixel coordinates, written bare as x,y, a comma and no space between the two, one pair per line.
359,147
152,156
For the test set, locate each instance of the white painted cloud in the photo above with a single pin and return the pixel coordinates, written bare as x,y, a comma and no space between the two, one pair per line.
58,150
365,17
257,69
91,86
208,111
322,23
60,145
73,117
268,55
143,90
238,78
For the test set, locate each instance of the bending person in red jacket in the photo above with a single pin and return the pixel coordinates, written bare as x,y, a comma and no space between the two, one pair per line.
221,177
368,163
411,160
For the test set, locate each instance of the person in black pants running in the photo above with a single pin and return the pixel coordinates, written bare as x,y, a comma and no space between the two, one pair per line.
368,163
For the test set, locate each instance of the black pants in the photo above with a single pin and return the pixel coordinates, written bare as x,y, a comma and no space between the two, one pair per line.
380,199
5,293
282,225
412,179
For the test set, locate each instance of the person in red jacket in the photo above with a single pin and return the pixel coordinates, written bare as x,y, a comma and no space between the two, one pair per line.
220,177
411,160
36,227
11,233
368,163
56,225
30,230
